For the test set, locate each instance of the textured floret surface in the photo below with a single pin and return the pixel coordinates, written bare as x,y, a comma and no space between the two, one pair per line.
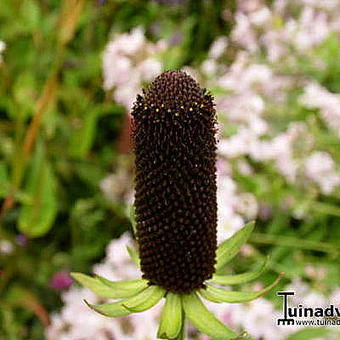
174,127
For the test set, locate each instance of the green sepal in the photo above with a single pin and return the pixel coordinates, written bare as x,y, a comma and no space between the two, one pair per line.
171,318
134,256
145,299
204,320
114,309
219,295
239,278
138,303
230,247
182,332
125,289
132,213
109,289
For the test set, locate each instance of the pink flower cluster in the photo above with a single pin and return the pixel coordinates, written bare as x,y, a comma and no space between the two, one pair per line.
129,60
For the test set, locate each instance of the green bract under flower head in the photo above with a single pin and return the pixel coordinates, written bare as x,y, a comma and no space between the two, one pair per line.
175,208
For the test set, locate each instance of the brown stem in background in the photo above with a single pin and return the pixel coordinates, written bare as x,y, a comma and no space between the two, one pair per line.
44,101
124,140
68,19
39,310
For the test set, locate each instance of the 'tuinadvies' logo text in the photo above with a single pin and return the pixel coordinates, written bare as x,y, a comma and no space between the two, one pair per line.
312,316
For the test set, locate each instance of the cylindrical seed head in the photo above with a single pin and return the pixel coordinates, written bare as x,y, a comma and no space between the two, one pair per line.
174,126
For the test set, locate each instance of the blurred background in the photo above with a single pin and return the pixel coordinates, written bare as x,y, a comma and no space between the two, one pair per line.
69,73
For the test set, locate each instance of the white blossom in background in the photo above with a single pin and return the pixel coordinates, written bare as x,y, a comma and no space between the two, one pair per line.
243,33
129,60
278,29
317,97
192,72
209,66
2,48
117,186
320,168
218,47
329,5
229,218
6,247
253,89
258,318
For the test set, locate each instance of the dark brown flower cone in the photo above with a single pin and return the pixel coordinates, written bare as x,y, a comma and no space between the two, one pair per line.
174,126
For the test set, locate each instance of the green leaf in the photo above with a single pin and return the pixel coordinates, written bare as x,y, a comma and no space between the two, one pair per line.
125,287
134,256
218,295
132,214
30,15
20,296
309,333
4,179
138,303
171,318
109,289
204,320
114,309
38,214
145,299
182,332
82,139
22,92
230,247
239,278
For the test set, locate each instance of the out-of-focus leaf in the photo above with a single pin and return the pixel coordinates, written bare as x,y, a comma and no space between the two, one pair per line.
83,136
24,91
174,58
309,333
37,216
4,180
30,13
19,296
71,10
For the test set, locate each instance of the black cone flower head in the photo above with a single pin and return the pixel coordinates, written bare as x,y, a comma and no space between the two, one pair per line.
174,126
175,146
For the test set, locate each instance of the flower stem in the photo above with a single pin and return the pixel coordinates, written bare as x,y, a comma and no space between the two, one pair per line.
287,241
325,208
